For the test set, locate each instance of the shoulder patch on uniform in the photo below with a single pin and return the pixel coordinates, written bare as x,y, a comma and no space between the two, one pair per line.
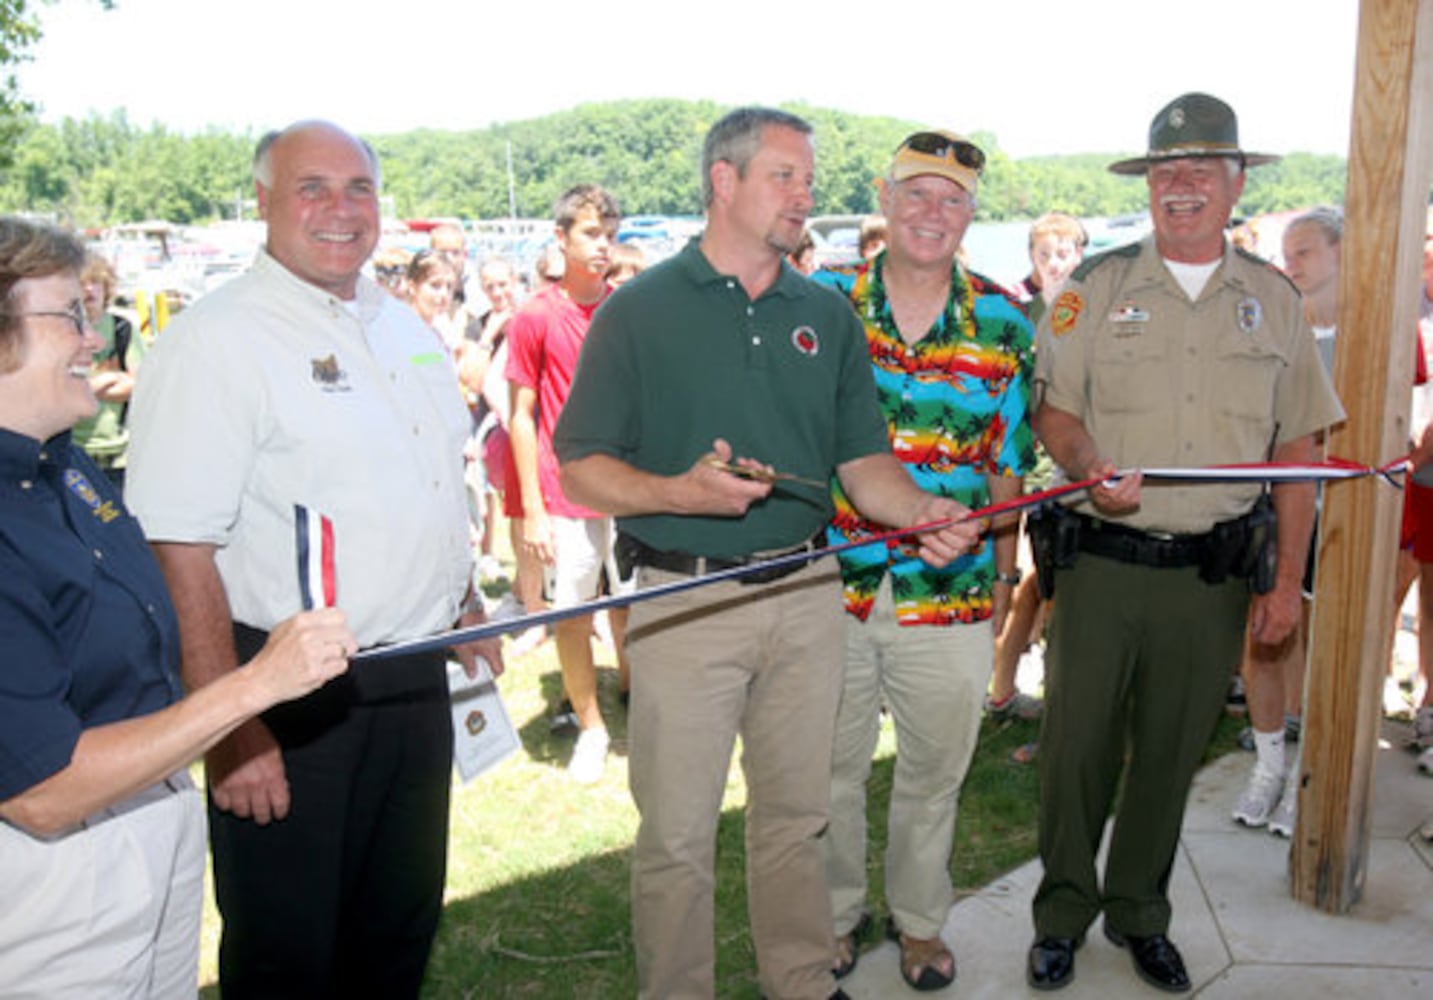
1065,312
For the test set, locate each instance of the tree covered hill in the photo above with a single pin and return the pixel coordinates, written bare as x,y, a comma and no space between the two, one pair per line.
104,170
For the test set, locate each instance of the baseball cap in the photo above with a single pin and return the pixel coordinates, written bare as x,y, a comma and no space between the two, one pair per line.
943,154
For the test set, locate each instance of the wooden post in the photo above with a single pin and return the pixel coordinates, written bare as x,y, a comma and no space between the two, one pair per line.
1385,214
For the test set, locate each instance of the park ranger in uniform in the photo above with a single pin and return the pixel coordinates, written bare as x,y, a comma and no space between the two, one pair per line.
1177,351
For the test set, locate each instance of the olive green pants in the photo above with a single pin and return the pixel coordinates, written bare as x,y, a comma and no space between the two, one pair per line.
1137,670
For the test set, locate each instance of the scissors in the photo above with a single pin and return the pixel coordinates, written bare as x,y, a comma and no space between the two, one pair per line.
765,476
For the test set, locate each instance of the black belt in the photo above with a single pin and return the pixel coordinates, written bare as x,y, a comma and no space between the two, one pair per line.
1143,548
639,553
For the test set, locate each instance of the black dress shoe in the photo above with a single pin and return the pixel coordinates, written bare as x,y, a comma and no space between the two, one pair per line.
1052,963
1156,959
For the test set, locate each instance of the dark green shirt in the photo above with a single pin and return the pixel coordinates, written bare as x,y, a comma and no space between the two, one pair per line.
680,356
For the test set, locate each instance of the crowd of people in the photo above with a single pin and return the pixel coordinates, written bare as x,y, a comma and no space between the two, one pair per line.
308,438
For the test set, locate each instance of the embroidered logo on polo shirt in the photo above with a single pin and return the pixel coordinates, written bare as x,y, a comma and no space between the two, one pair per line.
328,375
105,510
804,339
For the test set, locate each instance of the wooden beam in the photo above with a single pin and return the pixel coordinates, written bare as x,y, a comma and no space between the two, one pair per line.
1385,214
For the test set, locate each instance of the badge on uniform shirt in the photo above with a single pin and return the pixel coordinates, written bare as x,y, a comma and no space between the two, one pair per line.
1250,315
1128,319
804,339
81,487
1066,311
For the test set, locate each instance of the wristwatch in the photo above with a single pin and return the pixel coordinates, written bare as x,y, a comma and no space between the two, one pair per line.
1011,578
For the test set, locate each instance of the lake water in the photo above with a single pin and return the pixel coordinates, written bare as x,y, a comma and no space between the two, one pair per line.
999,250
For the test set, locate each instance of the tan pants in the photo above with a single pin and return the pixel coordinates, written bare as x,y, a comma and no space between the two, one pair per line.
933,680
111,908
763,662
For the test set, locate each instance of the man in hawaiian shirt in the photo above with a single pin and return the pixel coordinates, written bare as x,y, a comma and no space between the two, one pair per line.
952,356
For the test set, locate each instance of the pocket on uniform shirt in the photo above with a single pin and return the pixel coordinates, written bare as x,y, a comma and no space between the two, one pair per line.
1130,373
1247,373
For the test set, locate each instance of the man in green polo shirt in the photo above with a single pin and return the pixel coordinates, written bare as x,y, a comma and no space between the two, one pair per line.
699,380
1177,351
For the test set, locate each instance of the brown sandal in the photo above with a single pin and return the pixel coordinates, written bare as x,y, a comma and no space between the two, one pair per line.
848,947
923,960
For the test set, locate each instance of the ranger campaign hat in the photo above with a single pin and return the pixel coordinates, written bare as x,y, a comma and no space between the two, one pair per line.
941,153
1193,125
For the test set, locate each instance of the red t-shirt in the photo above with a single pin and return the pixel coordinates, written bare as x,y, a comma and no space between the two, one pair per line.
544,339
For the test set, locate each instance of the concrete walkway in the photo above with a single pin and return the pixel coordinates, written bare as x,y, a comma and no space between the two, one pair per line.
1241,934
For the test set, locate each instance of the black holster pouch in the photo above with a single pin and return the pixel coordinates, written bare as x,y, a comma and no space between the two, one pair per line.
1054,543
625,551
1245,547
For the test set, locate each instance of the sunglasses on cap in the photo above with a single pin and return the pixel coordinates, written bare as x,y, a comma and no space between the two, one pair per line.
967,154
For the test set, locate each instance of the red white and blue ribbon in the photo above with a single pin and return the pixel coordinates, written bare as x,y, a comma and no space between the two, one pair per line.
1266,472
313,541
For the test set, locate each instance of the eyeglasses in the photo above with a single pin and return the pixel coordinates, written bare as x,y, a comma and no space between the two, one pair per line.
967,154
75,314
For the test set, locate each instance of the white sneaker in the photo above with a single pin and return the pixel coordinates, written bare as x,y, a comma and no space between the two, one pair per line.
1259,798
589,756
1425,762
490,569
1281,820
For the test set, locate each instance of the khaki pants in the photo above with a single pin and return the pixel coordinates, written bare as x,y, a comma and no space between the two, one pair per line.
111,908
763,662
933,680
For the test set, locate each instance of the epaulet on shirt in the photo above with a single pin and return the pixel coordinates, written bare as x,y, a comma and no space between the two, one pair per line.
1266,265
1129,250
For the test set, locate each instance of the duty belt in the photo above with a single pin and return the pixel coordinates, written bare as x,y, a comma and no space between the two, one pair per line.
631,551
1143,548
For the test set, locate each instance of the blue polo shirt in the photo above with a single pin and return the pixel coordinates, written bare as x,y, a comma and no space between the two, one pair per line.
87,632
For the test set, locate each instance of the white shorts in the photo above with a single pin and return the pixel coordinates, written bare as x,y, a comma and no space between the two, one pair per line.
584,549
111,908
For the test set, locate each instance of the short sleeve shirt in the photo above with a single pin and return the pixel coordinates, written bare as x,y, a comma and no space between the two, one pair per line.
544,340
87,632
1160,381
681,355
956,406
270,397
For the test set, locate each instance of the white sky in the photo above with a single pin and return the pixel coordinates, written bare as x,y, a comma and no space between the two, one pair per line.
1045,76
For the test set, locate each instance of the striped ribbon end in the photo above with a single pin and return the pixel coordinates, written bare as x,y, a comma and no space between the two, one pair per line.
314,545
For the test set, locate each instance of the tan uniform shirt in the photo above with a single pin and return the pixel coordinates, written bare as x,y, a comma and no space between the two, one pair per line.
1160,381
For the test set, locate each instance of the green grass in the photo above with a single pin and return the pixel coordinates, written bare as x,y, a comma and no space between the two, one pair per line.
536,902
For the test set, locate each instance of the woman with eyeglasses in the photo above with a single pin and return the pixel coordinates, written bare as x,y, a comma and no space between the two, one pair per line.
102,834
